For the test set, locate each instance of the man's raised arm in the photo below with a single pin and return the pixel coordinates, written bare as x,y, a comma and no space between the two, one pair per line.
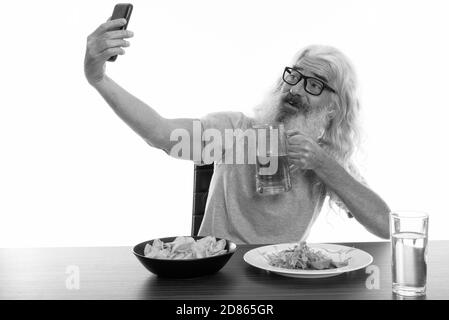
103,43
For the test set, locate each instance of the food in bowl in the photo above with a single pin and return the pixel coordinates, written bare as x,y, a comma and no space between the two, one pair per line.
303,257
184,267
185,248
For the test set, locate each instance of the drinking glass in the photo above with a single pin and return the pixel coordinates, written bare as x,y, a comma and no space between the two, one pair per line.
409,237
272,167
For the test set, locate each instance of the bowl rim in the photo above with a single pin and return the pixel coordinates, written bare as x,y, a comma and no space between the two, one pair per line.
230,251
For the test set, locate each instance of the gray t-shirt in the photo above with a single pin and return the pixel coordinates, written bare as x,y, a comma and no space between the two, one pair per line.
235,211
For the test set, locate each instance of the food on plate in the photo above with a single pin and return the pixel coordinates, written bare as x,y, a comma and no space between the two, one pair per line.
185,248
303,257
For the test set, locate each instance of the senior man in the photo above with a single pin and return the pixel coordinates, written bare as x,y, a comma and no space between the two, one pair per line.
315,98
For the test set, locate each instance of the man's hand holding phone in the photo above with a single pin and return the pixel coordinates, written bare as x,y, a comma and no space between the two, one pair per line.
105,42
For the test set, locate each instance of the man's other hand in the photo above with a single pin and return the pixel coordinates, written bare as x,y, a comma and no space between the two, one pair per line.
304,152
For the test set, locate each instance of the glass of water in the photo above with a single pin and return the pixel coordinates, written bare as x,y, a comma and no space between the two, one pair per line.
409,237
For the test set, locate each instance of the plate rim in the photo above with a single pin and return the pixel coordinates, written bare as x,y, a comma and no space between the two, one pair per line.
298,272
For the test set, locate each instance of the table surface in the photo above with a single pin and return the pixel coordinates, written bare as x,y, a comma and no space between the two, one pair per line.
115,273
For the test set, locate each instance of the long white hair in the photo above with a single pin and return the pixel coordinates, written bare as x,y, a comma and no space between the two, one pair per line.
342,132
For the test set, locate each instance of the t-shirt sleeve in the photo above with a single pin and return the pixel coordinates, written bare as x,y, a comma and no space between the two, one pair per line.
223,120
217,123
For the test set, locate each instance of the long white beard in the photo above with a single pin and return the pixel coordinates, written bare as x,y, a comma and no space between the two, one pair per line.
311,124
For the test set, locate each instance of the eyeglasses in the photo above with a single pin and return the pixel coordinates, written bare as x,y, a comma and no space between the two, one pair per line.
312,85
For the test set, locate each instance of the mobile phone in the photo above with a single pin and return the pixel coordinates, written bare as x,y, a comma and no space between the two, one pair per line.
121,10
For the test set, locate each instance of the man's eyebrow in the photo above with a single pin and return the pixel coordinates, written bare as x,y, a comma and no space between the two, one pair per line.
320,77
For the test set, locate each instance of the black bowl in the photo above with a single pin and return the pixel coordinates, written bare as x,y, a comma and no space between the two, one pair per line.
184,268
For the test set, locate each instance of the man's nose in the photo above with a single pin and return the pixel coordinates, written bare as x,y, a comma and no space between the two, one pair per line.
298,88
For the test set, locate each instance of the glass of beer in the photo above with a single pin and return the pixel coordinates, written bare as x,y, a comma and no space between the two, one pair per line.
272,167
409,237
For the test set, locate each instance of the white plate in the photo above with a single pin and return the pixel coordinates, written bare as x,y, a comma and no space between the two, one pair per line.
358,259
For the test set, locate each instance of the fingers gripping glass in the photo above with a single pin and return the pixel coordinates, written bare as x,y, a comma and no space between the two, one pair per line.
312,85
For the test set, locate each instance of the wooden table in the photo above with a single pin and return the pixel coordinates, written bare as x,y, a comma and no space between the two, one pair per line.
114,273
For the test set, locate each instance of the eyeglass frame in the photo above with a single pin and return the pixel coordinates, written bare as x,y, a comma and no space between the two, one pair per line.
325,86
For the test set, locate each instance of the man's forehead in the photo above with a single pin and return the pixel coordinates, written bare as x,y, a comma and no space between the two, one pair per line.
316,68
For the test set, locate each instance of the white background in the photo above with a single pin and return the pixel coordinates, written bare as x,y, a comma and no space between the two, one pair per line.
73,174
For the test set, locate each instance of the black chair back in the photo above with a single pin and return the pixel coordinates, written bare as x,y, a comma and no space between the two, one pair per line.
201,181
